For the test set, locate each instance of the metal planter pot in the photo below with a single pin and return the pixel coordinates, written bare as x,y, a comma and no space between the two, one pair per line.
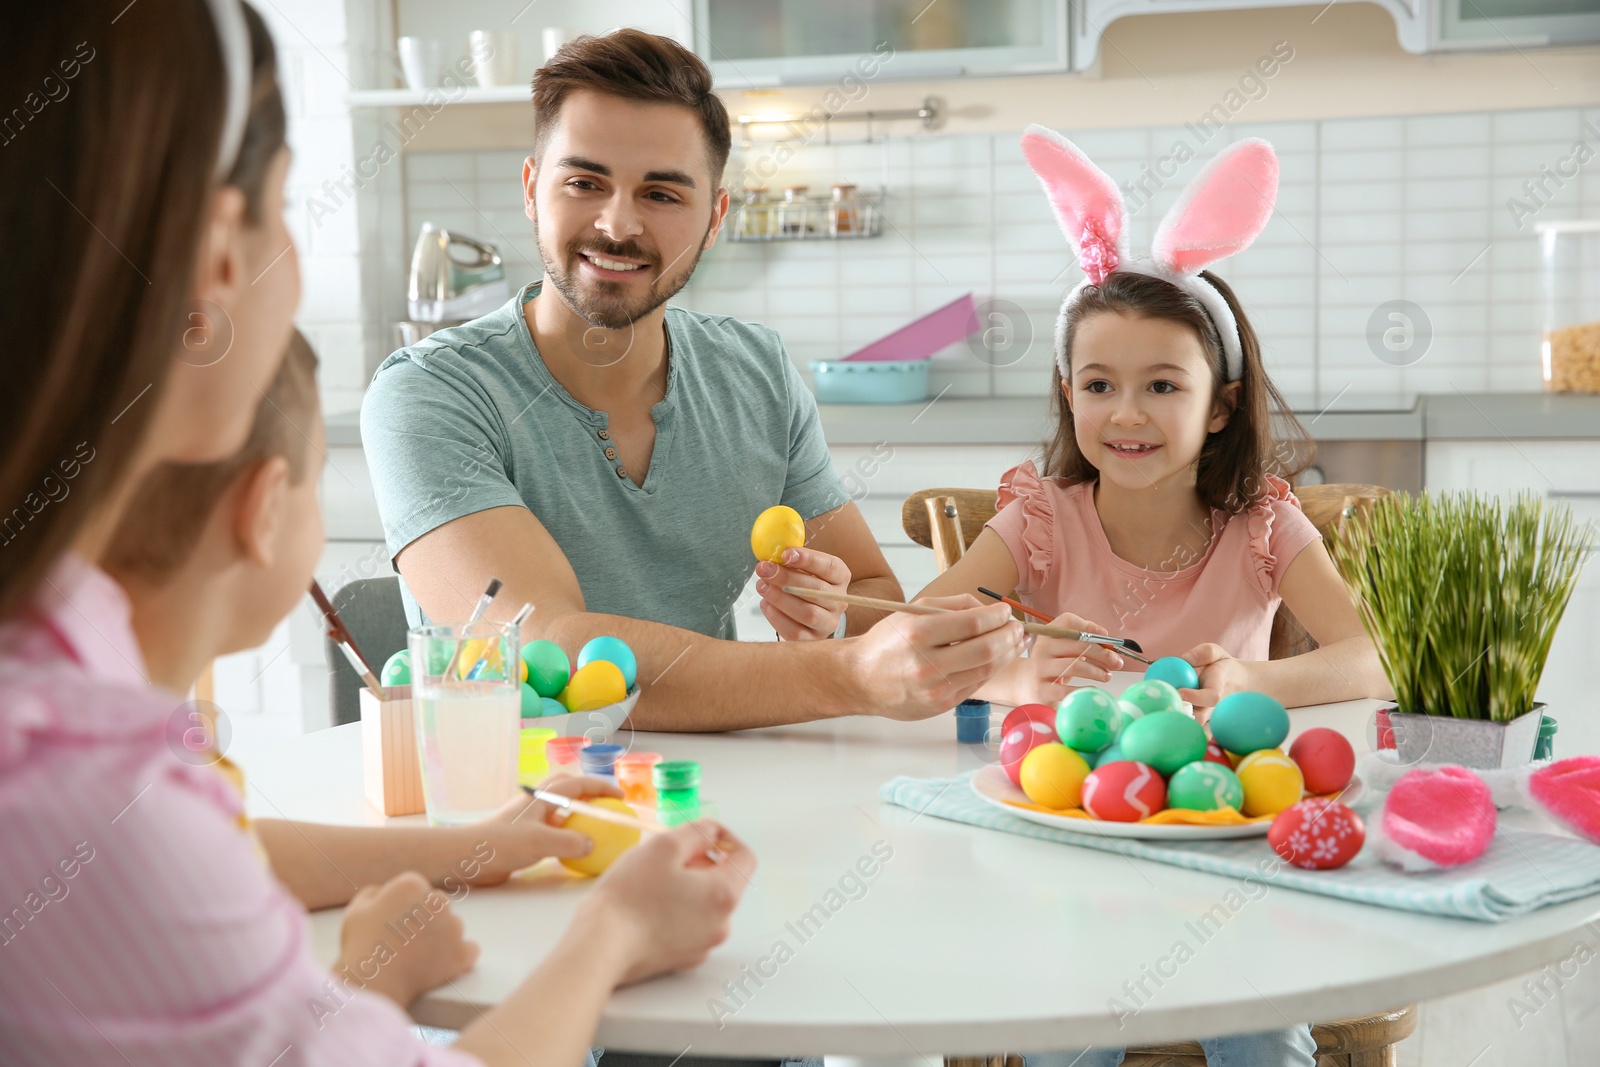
1476,743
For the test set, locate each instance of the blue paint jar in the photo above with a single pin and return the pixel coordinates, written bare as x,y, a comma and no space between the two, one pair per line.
599,761
972,722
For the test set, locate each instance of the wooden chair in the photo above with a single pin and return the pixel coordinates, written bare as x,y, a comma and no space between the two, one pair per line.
1365,1042
949,520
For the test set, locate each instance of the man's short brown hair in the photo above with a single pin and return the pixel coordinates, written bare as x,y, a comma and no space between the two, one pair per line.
633,65
171,507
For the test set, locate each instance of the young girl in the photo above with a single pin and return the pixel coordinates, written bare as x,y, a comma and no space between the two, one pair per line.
138,924
1157,515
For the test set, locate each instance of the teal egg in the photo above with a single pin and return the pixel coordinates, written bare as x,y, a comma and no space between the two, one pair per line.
1110,754
1087,719
552,706
1243,723
397,671
1178,673
1166,740
1153,694
530,702
548,669
1204,786
613,650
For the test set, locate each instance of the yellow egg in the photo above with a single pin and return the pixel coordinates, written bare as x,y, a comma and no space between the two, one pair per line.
610,840
1271,781
777,529
474,650
1052,776
524,664
595,685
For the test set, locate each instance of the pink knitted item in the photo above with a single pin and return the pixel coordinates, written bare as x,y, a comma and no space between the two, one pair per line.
1433,819
1569,791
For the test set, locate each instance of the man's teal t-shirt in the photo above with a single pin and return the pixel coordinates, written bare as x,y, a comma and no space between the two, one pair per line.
470,419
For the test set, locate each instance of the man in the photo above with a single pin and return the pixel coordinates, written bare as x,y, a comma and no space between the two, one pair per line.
605,456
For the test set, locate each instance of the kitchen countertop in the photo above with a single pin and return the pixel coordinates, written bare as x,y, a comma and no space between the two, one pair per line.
1005,421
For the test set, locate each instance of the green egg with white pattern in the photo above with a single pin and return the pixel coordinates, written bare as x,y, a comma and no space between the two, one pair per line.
1152,695
1087,719
1204,786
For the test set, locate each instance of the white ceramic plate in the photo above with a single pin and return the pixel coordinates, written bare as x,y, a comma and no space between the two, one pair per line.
597,725
993,786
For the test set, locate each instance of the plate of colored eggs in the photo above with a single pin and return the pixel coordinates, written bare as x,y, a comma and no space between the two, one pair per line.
596,692
1139,765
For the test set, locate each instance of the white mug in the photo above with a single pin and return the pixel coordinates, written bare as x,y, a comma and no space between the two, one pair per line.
494,55
554,37
421,62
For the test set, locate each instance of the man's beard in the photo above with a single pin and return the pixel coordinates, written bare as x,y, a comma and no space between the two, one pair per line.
604,303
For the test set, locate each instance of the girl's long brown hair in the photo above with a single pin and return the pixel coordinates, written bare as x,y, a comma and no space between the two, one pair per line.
107,159
1233,460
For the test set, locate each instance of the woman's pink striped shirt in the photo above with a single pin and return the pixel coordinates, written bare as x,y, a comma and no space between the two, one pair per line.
137,926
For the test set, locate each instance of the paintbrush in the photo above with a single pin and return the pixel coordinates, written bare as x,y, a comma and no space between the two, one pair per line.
1121,643
341,636
1038,629
516,627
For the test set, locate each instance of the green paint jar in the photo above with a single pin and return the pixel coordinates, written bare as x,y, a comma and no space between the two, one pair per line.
677,785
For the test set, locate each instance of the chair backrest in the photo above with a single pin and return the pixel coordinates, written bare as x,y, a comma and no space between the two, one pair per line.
375,615
1327,506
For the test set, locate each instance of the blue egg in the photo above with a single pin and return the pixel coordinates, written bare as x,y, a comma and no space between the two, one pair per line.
551,706
1107,755
1249,722
614,650
1178,673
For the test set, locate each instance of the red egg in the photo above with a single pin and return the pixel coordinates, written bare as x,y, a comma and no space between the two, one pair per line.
1214,754
1326,759
1124,791
1317,834
1022,739
1041,713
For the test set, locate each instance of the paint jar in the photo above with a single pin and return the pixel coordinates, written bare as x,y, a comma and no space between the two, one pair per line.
532,763
677,785
634,776
562,753
972,722
1545,747
600,761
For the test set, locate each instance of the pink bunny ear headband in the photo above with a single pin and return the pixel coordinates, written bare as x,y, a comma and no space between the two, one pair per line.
1446,816
1222,211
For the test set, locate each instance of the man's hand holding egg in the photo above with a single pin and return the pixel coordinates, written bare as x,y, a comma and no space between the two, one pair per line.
776,540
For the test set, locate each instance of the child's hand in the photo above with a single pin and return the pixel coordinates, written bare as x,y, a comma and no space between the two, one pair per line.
665,905
1220,674
401,939
795,618
1055,659
519,835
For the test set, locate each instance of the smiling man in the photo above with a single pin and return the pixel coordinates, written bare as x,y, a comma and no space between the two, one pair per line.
605,455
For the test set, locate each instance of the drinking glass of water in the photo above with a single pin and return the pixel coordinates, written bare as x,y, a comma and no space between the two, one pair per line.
465,682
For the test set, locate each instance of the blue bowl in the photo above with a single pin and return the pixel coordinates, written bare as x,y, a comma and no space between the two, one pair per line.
890,381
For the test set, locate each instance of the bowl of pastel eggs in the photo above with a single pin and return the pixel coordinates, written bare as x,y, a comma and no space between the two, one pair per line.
597,691
1139,765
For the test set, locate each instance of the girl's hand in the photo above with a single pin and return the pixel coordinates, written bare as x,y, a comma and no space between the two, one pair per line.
795,618
1220,674
1055,659
371,952
519,835
665,904
911,667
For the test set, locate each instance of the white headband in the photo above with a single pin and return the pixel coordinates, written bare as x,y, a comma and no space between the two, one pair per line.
1196,286
1220,212
233,37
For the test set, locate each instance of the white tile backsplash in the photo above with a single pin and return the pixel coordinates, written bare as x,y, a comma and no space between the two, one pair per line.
1369,210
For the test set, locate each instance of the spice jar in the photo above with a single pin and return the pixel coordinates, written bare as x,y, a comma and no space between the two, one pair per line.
792,220
754,222
844,213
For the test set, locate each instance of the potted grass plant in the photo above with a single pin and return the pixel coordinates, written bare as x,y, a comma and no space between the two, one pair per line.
1462,595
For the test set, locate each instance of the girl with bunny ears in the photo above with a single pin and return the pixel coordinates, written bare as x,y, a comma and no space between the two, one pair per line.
1159,514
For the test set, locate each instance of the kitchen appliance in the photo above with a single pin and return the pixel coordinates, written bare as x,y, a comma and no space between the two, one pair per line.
454,277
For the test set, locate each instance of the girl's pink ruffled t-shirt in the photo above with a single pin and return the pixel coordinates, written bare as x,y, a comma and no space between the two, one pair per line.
1228,596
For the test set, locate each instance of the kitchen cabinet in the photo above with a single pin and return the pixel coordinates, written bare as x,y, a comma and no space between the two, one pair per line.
1511,24
753,43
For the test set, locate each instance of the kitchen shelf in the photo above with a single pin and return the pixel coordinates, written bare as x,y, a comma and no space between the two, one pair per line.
499,94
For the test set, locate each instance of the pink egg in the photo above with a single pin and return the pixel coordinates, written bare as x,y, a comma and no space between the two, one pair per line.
1327,760
1317,834
1124,791
1020,740
1041,713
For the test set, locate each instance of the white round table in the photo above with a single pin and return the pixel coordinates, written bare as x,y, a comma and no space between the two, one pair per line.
962,941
